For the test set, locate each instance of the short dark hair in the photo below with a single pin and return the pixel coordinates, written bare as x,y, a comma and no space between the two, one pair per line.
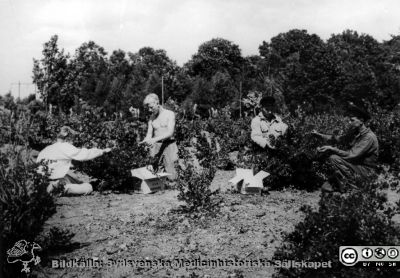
353,110
267,101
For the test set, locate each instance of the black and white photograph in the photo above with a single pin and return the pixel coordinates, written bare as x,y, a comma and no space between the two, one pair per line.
199,138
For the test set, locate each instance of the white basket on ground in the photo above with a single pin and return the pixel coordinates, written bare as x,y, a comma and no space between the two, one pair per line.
248,183
151,182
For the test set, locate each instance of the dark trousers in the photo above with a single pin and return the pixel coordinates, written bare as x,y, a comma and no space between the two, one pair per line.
344,172
165,156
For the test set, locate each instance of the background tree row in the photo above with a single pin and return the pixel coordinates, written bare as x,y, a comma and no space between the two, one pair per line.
300,69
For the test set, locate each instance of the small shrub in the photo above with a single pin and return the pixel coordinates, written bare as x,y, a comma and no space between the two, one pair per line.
113,170
194,190
386,125
24,203
56,238
357,218
55,241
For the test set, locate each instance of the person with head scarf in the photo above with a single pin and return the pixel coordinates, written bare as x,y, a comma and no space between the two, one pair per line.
360,160
59,156
267,126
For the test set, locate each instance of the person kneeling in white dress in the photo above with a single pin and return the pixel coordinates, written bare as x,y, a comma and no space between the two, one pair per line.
59,157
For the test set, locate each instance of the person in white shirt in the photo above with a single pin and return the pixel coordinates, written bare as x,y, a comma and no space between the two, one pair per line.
160,136
267,126
59,157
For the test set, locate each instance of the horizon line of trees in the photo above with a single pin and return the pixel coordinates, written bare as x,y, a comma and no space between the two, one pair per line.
296,67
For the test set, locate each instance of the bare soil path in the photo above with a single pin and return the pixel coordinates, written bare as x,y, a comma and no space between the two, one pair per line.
139,228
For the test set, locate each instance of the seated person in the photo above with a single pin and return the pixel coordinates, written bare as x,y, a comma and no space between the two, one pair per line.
267,126
360,160
59,157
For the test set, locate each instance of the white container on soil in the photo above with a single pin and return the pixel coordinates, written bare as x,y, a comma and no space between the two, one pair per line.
151,182
248,183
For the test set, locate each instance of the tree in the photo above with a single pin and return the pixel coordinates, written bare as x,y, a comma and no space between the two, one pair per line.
388,75
8,101
115,98
302,67
216,55
201,92
151,66
90,69
119,65
118,77
216,69
51,74
218,92
358,58
224,90
255,70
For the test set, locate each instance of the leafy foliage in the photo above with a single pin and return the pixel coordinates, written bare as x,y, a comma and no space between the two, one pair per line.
214,56
24,202
357,218
195,192
387,128
298,68
52,75
295,161
194,183
112,170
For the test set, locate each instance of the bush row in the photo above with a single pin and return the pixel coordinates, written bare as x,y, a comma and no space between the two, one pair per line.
295,161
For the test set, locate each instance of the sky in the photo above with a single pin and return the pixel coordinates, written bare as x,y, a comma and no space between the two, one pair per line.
177,26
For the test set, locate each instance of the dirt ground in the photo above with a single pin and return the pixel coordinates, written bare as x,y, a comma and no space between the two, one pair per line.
149,239
137,228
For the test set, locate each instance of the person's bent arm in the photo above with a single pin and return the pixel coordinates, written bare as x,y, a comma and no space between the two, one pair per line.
149,133
326,137
356,151
257,135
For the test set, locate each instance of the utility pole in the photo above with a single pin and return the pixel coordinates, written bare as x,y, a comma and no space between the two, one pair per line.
240,91
162,90
240,99
19,83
